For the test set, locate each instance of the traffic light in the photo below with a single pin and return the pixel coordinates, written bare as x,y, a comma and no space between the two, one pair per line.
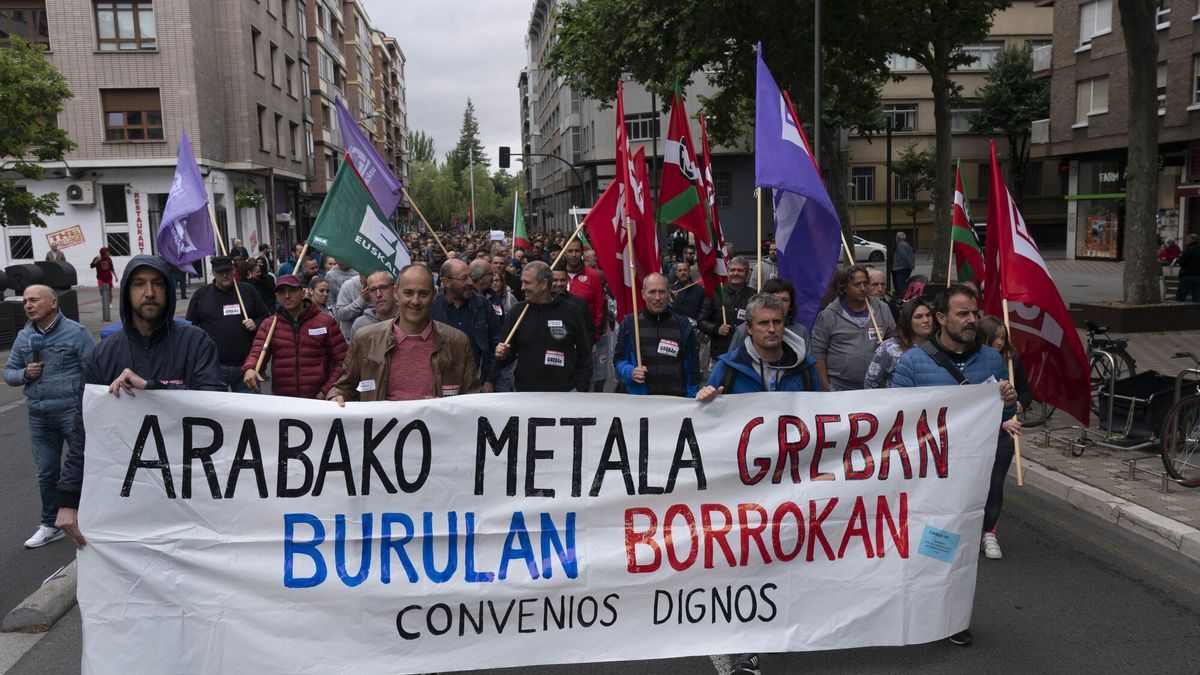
504,157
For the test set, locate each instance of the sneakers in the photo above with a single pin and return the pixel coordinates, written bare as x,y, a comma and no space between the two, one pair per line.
962,638
746,664
990,547
44,535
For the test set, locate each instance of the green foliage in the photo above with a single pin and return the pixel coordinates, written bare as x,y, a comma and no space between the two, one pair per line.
437,191
420,146
916,166
1010,100
32,92
247,198
469,148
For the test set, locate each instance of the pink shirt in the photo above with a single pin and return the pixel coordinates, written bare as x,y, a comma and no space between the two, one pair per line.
410,376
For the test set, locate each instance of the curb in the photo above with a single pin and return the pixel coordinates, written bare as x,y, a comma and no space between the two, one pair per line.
1123,513
45,606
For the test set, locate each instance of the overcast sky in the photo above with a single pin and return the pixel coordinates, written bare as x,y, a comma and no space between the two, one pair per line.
455,49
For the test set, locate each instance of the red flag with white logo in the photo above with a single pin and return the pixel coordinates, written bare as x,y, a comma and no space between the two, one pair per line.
1042,331
606,230
645,231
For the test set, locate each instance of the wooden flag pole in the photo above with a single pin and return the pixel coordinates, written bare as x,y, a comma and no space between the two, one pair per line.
1012,380
212,217
637,333
524,309
950,267
758,213
422,216
262,354
870,312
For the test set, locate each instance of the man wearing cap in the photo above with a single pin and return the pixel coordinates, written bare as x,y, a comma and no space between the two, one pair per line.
216,309
306,349
150,351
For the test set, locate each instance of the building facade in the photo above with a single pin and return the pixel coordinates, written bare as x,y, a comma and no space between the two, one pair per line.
581,134
1089,112
235,75
908,104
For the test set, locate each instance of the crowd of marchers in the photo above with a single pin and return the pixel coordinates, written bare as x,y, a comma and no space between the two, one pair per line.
472,315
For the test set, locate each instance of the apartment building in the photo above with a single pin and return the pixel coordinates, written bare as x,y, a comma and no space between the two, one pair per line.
1089,115
581,137
142,73
908,104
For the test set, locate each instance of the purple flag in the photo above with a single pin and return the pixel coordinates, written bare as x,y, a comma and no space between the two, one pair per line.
374,171
807,230
185,233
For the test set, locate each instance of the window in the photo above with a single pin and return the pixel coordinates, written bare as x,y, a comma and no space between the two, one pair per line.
255,37
115,219
285,14
289,75
326,116
26,20
330,166
310,158
262,129
900,64
18,235
275,78
1160,90
279,143
905,190
863,180
642,127
984,54
293,140
1196,80
723,189
960,119
1095,19
122,26
903,116
1162,13
985,181
1031,185
1091,99
131,115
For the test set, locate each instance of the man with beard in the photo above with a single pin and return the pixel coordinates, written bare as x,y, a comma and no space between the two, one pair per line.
150,351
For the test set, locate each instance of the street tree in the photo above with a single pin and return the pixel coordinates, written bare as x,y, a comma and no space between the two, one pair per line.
934,33
436,192
420,146
1009,101
917,168
660,43
32,93
469,149
1138,21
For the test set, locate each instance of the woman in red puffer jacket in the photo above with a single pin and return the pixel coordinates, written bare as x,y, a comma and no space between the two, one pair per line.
306,349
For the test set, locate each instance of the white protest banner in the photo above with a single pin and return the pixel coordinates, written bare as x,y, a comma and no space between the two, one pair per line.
242,533
498,235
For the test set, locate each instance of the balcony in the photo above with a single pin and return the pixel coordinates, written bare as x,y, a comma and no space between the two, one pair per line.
1039,132
1041,59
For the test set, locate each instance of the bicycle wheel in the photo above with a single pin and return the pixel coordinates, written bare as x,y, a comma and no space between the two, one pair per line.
1101,370
1181,442
1125,366
1036,414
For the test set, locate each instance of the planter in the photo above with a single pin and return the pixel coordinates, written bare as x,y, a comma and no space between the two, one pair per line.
1122,318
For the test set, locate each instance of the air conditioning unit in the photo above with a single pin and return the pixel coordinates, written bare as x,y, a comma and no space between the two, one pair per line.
82,193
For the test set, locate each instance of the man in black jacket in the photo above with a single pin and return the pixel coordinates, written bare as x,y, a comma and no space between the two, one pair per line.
1189,270
552,345
719,322
216,309
150,351
459,306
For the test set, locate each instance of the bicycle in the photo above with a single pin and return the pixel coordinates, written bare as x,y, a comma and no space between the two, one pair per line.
1099,341
1181,429
1036,414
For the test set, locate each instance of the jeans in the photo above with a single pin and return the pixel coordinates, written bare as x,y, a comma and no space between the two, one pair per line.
1188,286
47,433
232,377
106,302
995,498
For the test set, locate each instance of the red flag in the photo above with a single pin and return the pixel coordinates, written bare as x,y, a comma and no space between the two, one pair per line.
721,270
968,259
606,230
645,230
1042,331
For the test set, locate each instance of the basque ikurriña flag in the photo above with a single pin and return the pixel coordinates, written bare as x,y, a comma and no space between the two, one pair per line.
807,230
968,259
1042,330
185,233
375,173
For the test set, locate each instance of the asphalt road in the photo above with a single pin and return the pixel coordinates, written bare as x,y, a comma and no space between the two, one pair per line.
1073,594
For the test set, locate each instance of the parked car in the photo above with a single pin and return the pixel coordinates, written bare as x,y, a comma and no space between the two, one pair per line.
866,252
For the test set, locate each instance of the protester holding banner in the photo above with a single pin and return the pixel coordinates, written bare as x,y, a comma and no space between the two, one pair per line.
668,362
149,352
409,357
306,348
771,357
216,309
552,345
914,330
47,360
718,320
848,331
460,306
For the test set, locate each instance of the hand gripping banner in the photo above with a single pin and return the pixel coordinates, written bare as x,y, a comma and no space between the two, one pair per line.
242,533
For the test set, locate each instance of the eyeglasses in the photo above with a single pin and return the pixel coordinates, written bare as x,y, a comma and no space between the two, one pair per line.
447,276
379,289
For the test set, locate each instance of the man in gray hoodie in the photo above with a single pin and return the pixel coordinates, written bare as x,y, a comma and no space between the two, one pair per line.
847,332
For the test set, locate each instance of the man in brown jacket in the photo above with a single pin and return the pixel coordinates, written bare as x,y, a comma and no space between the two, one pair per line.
409,357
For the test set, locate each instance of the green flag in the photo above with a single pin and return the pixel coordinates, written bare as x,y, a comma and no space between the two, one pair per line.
520,237
352,228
